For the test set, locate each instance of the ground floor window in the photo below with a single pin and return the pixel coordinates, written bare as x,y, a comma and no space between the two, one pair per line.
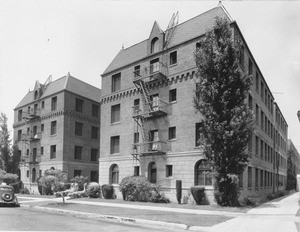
152,172
94,176
114,174
203,173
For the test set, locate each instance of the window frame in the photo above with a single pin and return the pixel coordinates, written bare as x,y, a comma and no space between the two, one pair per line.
115,144
78,129
116,82
173,58
78,152
173,95
54,103
115,116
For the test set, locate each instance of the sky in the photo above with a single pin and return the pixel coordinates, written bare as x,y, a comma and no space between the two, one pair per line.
39,38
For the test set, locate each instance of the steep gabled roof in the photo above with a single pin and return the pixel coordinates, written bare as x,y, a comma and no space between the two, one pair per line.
185,31
68,83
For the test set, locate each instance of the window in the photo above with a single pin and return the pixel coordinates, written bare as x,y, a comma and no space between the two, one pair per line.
95,132
152,172
154,140
52,151
53,127
256,114
154,66
42,150
116,82
169,170
154,98
172,95
114,144
42,127
136,106
94,176
114,174
136,137
43,104
250,143
27,173
173,58
250,102
203,173
262,90
250,67
94,154
137,71
35,109
256,178
28,131
53,103
34,132
77,152
28,110
79,105
249,178
198,45
261,149
19,135
20,113
33,175
115,113
154,45
77,173
36,95
241,181
27,152
95,110
136,171
261,178
34,153
78,128
172,133
262,120
256,145
199,134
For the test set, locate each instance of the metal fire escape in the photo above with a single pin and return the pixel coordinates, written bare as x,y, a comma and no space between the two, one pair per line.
151,106
32,138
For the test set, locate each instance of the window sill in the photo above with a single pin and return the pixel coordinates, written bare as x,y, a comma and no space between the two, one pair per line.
115,154
53,135
172,140
173,65
115,123
173,102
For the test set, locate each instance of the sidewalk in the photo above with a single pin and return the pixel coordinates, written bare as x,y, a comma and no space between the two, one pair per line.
189,219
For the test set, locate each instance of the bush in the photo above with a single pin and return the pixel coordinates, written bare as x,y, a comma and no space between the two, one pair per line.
137,188
93,190
198,193
80,181
277,194
108,191
24,190
178,191
77,195
9,178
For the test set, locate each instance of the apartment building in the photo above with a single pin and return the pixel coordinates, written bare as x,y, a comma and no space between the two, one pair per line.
56,125
149,126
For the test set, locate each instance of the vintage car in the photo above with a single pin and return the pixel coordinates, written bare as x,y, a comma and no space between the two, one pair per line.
7,195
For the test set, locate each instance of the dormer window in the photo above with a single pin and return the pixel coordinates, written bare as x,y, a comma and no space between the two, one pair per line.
154,45
36,95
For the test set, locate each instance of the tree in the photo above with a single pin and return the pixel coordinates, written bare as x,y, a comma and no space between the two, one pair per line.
9,155
291,175
220,97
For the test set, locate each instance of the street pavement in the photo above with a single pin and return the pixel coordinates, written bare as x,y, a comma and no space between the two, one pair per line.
281,214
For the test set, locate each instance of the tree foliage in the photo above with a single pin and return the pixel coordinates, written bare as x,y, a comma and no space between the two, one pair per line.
291,181
220,97
8,155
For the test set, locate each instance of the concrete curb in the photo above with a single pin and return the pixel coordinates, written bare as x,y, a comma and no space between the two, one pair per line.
116,218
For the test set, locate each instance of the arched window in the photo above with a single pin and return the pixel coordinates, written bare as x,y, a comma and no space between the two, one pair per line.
152,172
33,176
154,45
36,95
203,173
114,174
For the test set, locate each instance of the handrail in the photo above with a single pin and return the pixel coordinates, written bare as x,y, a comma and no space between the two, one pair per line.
156,105
150,70
149,147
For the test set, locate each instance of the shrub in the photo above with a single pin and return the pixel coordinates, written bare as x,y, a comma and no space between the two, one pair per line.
198,194
24,190
178,191
108,191
137,188
80,181
9,178
77,195
93,190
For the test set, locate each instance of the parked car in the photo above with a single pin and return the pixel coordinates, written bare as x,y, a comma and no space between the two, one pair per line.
7,195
